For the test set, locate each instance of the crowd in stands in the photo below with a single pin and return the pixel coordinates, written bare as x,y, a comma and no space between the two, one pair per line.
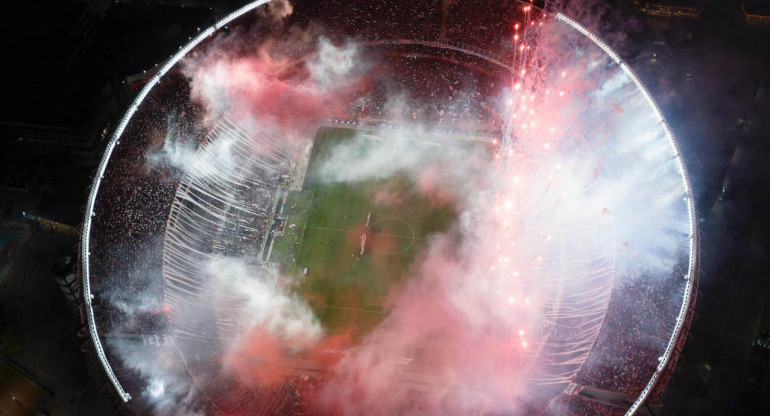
370,20
575,405
130,216
486,24
436,94
243,232
469,22
443,95
638,325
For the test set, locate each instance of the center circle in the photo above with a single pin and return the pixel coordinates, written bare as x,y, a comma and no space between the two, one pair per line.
391,235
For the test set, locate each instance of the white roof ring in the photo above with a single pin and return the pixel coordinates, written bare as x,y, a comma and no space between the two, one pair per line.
89,213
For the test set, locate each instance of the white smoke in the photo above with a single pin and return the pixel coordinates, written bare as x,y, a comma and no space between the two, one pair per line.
168,390
334,65
379,157
276,11
180,153
264,303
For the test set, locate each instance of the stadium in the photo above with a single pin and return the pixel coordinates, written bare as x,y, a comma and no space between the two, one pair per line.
418,208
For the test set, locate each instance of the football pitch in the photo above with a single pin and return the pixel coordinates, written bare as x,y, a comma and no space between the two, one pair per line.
327,223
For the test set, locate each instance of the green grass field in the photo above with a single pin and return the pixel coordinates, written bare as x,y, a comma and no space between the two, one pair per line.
324,225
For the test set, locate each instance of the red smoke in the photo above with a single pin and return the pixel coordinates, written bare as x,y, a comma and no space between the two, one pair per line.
431,341
260,88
